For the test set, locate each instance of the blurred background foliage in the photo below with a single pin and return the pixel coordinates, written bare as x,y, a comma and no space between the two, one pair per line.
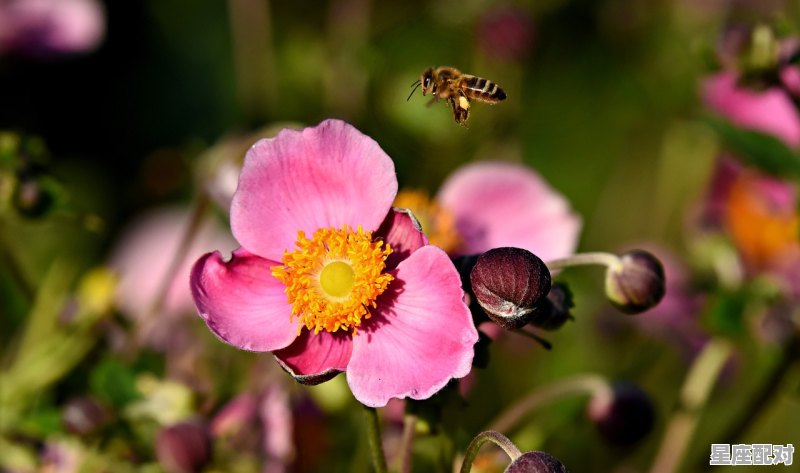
602,101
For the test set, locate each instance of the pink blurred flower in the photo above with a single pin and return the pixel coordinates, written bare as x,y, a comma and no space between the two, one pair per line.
43,27
268,417
491,204
506,33
770,111
143,255
329,278
757,211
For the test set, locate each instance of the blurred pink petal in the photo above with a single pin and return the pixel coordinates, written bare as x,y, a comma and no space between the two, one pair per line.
505,204
419,339
143,254
790,76
242,303
276,417
505,33
403,234
234,416
315,358
44,27
322,177
770,111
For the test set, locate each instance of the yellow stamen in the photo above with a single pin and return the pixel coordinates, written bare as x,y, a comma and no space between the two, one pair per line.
437,222
334,278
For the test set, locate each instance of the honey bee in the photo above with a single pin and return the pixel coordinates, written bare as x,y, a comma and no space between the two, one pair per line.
448,83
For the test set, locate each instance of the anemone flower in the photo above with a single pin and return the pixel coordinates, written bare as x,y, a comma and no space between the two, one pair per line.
329,278
492,204
48,27
770,111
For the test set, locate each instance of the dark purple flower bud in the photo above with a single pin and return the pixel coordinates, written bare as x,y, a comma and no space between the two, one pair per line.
536,462
84,415
637,283
508,283
553,311
184,447
626,417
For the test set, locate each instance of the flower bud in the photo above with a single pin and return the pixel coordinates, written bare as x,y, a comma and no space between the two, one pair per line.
637,283
508,283
536,462
84,415
184,447
626,417
553,310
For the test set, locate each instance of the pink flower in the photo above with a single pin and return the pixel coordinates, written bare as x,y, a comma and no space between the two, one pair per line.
770,111
491,204
51,26
329,278
505,33
158,234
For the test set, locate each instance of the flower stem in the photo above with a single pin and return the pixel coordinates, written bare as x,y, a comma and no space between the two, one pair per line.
15,272
696,389
584,383
489,436
583,259
768,389
544,343
374,438
406,444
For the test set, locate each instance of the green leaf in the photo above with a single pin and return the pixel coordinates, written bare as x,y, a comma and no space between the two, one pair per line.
42,421
763,151
726,313
114,382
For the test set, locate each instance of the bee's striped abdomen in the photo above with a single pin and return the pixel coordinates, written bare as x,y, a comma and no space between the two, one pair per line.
482,89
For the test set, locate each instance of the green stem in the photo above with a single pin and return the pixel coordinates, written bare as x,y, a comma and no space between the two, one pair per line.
768,390
374,438
489,436
584,383
15,271
696,389
583,259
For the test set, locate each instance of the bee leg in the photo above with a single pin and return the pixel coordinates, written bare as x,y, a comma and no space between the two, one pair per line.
460,113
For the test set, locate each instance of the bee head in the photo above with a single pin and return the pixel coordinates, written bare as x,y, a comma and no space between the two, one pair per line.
426,80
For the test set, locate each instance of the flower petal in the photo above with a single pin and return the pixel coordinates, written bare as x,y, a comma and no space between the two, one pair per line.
420,336
769,111
315,358
403,233
499,204
241,302
322,177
